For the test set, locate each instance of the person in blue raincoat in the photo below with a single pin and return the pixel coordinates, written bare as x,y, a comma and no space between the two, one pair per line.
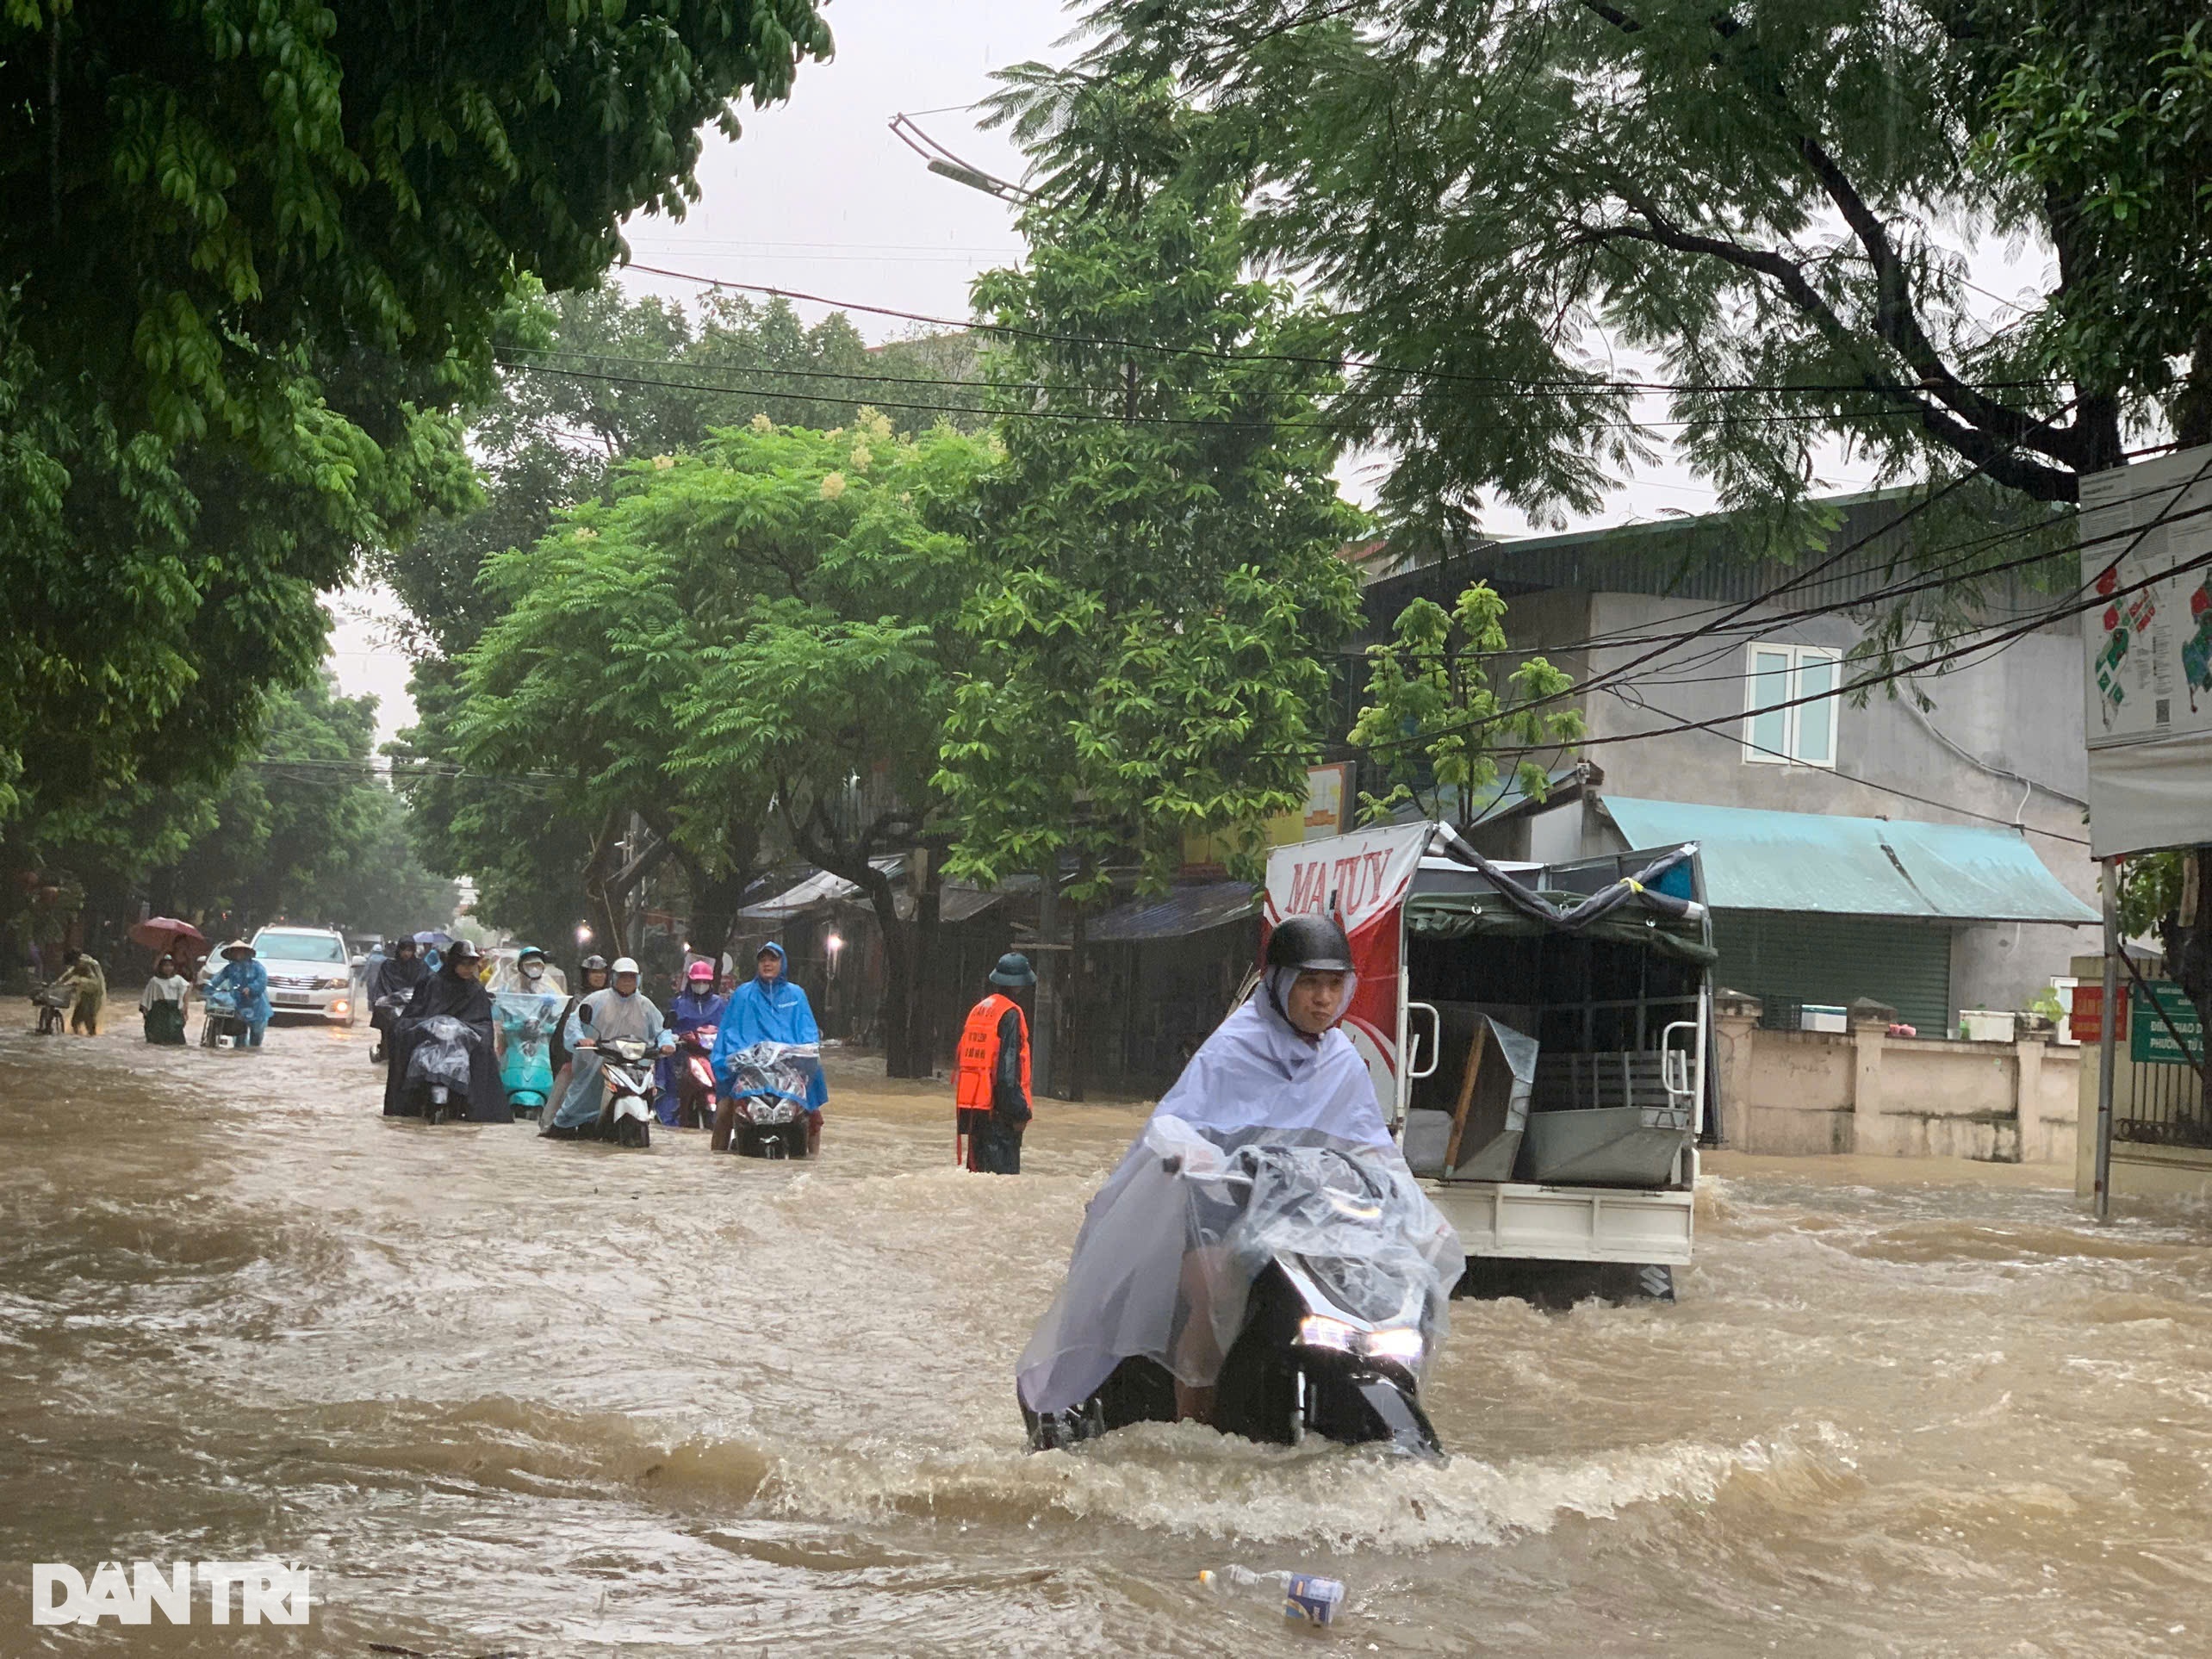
769,1008
698,1007
243,977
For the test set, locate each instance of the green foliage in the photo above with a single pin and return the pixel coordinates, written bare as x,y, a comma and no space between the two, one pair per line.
2150,894
756,623
253,252
1503,195
1434,719
1149,642
2108,108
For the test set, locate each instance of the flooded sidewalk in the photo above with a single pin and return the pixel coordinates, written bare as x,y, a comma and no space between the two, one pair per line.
510,1395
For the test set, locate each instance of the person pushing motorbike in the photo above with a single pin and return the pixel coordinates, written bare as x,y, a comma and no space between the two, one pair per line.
389,990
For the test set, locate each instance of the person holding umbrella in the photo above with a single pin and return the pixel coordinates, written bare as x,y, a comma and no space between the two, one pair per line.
161,1004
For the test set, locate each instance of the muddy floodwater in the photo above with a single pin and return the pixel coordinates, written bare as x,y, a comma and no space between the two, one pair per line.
509,1397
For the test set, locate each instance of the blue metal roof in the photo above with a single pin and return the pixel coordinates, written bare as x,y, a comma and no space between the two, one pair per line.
1813,861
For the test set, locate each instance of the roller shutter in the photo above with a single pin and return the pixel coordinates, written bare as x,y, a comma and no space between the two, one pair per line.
1812,958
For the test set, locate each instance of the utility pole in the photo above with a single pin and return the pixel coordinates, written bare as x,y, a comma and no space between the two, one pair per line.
2108,1049
1045,1040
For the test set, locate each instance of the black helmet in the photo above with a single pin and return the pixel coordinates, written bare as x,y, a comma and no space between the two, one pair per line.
1309,943
594,963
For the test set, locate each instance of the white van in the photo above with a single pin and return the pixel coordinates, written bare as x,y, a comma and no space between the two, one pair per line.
310,972
1546,1081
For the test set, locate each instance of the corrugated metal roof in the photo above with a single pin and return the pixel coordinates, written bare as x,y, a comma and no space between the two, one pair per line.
1821,863
821,887
1190,909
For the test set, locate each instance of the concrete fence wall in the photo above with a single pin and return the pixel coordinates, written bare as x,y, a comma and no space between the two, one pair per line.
1802,1092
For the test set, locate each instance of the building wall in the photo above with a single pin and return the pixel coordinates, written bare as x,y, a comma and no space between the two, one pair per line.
2019,710
1798,1093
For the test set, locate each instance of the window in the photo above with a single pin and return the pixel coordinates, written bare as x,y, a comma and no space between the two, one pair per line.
1778,733
299,947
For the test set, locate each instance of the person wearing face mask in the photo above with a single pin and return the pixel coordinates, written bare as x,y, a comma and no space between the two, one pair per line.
693,1018
619,1011
454,991
527,1002
1142,1280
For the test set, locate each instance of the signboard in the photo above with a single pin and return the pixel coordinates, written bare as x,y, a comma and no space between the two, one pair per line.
1361,879
2147,555
2153,1042
2086,1020
1330,798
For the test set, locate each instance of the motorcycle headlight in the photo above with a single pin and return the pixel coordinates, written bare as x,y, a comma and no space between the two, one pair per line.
1320,1330
1402,1344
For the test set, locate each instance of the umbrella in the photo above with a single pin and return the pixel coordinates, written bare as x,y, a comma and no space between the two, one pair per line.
165,933
432,938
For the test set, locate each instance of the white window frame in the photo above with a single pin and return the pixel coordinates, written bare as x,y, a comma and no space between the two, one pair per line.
1795,719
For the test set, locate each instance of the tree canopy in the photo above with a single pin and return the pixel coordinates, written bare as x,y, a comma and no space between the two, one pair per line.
1753,200
1160,590
253,254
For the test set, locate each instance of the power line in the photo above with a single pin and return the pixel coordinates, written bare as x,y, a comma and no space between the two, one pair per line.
2000,639
1338,363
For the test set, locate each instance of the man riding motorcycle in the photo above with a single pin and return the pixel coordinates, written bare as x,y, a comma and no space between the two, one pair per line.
453,992
1144,1281
619,1011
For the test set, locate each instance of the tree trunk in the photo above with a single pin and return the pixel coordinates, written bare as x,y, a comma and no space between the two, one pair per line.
714,900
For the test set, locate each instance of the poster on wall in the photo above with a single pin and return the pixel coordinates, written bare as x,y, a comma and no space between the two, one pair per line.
2145,536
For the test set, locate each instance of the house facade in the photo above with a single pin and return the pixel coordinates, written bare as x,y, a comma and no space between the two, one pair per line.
1926,851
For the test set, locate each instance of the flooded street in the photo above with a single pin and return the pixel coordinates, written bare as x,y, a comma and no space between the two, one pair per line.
510,1396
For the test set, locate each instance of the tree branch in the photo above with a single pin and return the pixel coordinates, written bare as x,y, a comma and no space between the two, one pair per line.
1996,458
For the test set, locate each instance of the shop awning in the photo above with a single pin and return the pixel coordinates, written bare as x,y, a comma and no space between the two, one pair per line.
1191,908
820,888
1814,863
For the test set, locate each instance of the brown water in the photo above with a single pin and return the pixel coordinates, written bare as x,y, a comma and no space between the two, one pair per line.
512,1396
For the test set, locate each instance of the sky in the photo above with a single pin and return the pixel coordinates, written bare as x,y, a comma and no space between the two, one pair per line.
819,196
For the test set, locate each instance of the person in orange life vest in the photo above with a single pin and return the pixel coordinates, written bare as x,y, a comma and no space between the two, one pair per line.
990,1078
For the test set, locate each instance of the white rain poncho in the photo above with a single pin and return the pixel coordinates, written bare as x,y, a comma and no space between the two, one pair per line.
1267,1145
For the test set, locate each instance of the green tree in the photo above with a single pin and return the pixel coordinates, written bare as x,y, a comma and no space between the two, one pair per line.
1753,198
252,254
726,645
1435,717
832,692
1149,643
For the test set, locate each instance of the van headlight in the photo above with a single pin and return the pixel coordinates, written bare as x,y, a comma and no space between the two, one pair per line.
1320,1330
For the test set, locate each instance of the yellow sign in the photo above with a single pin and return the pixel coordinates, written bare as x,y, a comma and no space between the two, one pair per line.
1327,811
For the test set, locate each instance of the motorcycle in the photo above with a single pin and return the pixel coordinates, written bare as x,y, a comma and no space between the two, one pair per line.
626,1073
1339,1318
694,1070
526,1020
763,1113
438,1070
221,1026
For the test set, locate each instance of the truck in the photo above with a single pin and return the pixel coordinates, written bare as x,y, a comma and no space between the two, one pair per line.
1538,1035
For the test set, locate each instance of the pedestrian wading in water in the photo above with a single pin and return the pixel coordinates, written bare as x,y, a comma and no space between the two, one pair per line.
990,1078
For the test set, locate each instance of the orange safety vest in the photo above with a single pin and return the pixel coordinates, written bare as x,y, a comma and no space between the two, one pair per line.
979,1055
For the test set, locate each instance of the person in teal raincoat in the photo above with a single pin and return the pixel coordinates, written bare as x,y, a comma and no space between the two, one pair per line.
243,977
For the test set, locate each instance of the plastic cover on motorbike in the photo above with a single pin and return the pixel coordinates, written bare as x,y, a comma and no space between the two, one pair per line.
775,1071
1170,1248
442,1053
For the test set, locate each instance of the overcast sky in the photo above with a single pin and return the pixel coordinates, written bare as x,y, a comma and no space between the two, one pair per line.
820,197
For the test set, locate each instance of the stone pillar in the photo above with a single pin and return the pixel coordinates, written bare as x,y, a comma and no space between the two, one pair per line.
1734,1021
2027,1100
1870,1023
